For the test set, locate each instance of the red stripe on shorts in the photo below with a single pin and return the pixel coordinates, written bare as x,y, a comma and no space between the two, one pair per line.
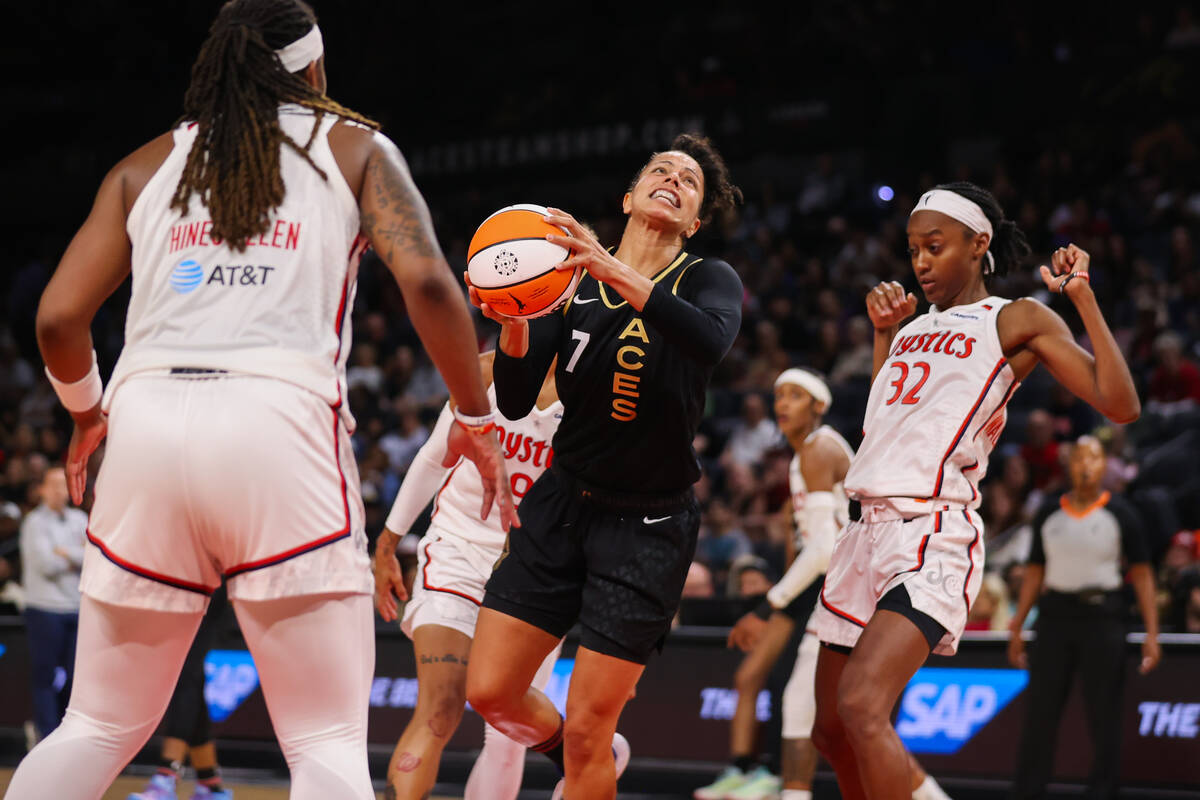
142,572
429,587
839,612
970,558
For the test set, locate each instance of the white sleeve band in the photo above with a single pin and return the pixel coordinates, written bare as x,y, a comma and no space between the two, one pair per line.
424,477
813,560
83,394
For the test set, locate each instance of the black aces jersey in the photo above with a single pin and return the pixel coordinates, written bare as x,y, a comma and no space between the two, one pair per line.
632,383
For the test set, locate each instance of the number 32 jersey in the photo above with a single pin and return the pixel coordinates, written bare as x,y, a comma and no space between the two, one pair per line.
936,410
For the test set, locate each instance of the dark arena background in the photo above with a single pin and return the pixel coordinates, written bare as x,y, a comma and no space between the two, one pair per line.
834,117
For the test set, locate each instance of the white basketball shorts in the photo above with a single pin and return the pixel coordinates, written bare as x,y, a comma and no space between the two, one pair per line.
938,558
448,589
223,475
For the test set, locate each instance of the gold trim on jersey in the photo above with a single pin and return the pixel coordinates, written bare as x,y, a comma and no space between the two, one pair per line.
657,279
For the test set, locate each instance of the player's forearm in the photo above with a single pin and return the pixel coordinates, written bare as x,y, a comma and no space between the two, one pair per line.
631,285
1143,586
424,477
883,346
387,542
1114,385
439,314
518,380
514,339
810,564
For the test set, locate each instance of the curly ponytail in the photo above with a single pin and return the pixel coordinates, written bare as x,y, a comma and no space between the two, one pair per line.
1008,247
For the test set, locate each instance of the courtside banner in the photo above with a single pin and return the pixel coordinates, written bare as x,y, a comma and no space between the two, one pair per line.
961,715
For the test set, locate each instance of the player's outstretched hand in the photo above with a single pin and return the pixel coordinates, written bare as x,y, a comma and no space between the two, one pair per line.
90,429
747,632
1068,271
484,450
888,305
389,577
586,250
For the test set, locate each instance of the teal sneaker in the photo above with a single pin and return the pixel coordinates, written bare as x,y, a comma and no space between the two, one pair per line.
760,785
730,778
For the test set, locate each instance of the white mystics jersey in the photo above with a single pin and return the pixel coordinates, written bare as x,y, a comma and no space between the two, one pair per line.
841,512
936,409
279,308
527,453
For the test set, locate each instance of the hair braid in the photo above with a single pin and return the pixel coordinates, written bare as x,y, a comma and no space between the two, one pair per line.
233,100
1009,247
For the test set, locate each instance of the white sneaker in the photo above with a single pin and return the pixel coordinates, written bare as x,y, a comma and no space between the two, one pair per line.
760,785
621,754
730,778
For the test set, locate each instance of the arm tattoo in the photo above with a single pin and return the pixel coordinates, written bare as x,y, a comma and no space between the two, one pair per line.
397,221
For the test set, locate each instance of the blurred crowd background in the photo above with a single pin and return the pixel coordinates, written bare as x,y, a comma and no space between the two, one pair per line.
834,118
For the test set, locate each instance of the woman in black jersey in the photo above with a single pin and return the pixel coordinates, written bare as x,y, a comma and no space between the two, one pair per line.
608,532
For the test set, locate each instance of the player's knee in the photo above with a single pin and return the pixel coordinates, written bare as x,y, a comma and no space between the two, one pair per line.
490,698
586,737
749,677
862,708
828,735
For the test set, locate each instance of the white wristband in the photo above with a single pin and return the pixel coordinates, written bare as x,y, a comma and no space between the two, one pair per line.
83,394
481,423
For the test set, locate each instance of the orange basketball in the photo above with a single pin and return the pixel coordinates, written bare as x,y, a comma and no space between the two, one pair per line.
512,266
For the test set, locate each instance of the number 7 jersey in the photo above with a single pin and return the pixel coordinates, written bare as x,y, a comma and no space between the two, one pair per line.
936,410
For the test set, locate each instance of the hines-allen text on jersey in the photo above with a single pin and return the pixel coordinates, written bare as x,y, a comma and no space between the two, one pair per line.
282,235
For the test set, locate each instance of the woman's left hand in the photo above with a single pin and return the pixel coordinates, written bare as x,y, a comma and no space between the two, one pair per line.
586,250
1068,271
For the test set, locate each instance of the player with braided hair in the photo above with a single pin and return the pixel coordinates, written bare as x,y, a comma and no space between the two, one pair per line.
229,448
905,571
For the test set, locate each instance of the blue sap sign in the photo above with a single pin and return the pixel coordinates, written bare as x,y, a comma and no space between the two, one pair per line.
942,708
560,680
230,677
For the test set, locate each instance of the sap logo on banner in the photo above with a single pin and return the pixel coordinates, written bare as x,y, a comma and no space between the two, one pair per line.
2,649
556,689
394,693
720,703
230,677
943,708
1170,720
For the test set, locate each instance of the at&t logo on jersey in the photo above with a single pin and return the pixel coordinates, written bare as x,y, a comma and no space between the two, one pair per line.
942,708
186,276
189,275
230,677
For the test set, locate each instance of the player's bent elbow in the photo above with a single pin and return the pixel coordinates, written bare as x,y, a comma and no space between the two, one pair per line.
1127,413
55,322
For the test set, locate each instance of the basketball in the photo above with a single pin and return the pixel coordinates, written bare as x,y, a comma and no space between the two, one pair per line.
512,266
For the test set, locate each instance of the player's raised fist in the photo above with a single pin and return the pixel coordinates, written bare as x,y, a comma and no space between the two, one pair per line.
1068,271
888,305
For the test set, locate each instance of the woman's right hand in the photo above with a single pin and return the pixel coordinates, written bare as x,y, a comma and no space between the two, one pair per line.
1016,649
514,333
888,305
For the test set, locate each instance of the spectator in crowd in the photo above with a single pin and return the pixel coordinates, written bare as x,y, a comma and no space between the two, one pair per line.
1081,541
10,554
749,576
1175,382
1040,451
721,540
52,539
755,432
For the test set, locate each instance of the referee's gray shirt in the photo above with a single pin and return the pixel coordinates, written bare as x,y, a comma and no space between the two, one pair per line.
50,581
1082,550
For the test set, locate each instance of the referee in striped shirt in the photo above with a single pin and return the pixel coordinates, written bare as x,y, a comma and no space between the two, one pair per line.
1080,542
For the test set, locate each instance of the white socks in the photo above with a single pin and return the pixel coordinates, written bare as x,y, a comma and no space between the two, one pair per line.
795,794
929,790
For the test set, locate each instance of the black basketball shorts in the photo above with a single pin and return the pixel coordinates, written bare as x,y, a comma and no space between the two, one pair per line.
618,572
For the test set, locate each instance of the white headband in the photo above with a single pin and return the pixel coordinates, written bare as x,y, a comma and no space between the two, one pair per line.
302,52
808,382
968,212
